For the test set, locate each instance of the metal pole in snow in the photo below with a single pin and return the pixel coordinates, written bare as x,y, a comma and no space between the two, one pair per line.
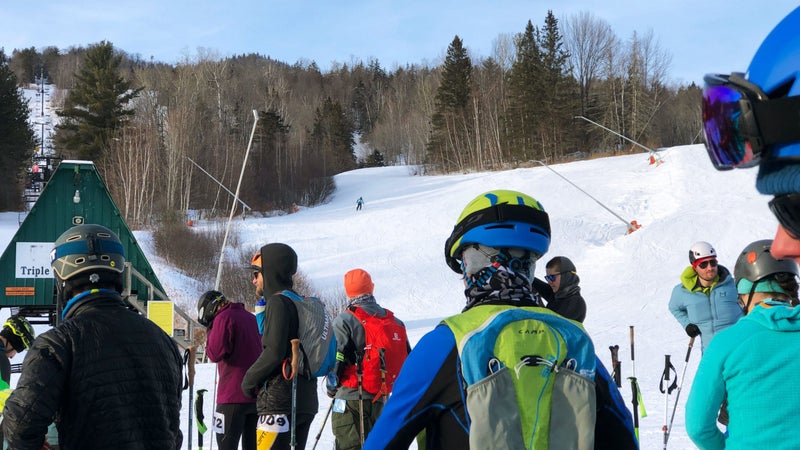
233,206
235,197
612,131
628,224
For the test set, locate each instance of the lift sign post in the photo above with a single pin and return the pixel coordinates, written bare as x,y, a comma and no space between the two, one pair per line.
33,260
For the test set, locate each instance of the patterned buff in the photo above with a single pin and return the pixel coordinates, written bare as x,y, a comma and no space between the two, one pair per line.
498,283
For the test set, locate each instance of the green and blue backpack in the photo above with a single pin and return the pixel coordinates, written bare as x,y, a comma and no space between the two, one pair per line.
529,377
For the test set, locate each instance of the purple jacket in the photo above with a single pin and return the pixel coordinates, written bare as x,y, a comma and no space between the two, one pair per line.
234,344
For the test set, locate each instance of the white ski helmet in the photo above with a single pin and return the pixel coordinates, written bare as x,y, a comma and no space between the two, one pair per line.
701,250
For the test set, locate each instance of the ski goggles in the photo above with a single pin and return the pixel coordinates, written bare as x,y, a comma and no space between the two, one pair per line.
740,121
786,209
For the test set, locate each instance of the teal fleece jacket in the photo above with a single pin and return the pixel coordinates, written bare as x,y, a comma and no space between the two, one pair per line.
755,364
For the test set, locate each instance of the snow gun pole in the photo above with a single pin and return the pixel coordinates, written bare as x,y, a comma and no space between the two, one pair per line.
324,419
680,386
631,226
233,206
244,205
616,365
612,131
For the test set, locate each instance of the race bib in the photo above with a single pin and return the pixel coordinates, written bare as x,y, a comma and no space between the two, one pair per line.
275,423
218,424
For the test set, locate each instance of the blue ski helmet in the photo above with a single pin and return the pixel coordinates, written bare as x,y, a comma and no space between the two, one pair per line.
500,219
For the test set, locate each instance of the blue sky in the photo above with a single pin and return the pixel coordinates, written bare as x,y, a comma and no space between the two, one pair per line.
701,35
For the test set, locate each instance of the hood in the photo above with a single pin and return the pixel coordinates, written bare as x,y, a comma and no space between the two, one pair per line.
568,285
278,264
775,315
689,278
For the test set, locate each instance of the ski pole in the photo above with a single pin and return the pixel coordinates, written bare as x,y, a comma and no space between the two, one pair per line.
190,360
638,403
616,365
295,362
668,367
680,386
359,374
199,416
324,419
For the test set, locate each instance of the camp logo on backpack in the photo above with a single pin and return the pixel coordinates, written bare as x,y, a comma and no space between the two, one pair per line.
316,334
530,378
383,356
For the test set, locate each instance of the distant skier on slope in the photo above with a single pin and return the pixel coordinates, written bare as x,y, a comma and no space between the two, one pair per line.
359,203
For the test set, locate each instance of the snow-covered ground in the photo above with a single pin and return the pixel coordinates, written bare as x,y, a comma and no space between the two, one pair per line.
626,279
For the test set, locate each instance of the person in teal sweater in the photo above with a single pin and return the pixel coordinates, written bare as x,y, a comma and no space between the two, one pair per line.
705,302
752,363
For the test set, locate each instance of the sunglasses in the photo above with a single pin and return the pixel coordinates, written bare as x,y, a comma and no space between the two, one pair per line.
740,121
551,278
705,263
786,209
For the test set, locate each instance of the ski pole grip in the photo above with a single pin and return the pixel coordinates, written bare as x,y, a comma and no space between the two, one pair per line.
667,365
632,357
295,356
689,350
190,360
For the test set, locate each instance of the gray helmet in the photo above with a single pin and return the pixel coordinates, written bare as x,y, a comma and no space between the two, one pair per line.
755,262
88,254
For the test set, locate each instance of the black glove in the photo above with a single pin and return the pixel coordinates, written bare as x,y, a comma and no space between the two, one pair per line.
692,330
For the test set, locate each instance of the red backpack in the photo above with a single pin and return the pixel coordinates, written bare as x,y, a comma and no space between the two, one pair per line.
383,356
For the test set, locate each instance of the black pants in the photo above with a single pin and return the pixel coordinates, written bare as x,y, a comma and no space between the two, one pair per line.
283,441
240,422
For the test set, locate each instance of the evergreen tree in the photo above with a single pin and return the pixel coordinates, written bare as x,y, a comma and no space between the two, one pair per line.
332,136
375,159
16,138
525,87
97,107
451,122
559,90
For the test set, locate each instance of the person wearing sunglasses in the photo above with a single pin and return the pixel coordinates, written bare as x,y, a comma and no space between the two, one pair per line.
705,300
563,280
750,119
745,362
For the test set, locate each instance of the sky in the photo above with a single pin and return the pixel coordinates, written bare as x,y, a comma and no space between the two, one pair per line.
626,279
709,36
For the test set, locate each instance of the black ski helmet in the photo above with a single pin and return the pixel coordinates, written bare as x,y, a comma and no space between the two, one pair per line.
18,332
755,263
87,255
207,306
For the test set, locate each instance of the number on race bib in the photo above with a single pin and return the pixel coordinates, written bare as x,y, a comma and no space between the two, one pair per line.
276,423
218,424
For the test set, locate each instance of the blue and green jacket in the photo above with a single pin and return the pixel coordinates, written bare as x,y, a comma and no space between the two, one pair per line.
754,363
712,309
428,397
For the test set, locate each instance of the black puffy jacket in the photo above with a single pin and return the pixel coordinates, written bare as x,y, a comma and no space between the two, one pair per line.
109,377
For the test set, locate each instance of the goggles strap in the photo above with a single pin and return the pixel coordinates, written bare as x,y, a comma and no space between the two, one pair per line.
778,120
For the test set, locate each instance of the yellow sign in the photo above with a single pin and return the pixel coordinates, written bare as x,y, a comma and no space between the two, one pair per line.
162,313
